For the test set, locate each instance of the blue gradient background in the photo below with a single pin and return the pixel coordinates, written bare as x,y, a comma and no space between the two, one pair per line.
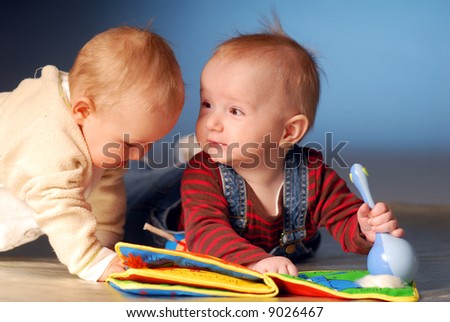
386,82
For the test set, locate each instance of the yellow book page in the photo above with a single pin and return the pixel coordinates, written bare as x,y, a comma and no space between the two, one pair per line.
198,278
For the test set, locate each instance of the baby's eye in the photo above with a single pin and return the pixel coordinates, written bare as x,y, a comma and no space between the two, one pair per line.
206,105
236,111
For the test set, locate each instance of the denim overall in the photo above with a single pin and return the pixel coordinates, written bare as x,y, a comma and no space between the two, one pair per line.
295,197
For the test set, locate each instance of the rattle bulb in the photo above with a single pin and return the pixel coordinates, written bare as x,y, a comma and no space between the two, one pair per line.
389,255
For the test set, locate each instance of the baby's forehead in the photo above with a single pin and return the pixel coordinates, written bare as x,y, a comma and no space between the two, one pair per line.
265,64
272,59
253,54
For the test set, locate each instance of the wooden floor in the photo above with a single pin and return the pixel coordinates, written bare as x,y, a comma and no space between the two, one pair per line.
32,273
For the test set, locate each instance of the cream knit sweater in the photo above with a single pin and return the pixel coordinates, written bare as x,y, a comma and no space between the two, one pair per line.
45,162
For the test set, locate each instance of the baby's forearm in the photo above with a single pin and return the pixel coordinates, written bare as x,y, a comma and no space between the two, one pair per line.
97,267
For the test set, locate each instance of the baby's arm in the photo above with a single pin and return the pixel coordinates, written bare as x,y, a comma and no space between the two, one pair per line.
274,264
108,204
53,187
115,266
101,266
380,219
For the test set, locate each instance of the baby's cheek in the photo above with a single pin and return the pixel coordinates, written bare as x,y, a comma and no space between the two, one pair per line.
110,155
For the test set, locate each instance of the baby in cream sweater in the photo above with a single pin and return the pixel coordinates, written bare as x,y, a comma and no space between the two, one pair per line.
65,138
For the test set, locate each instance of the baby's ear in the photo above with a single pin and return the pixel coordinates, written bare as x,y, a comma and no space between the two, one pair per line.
81,108
294,129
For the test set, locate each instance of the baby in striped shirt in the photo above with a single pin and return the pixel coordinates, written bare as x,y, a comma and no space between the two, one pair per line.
253,195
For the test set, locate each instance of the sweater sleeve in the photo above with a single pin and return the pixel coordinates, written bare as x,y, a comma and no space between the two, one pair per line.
205,210
333,206
108,204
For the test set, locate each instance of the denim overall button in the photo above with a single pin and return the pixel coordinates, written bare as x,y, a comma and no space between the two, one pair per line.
290,249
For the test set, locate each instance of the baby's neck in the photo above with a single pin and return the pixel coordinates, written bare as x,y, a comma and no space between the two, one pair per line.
267,187
262,176
266,183
263,173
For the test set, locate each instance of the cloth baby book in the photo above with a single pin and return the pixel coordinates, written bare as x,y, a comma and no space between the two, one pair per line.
163,272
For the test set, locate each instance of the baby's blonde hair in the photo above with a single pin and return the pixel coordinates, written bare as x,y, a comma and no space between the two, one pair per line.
293,64
122,61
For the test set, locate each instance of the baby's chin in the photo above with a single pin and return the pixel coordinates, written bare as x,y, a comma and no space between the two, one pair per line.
219,160
216,155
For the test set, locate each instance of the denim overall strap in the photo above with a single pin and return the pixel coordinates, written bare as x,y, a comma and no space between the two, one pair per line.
234,191
295,197
295,204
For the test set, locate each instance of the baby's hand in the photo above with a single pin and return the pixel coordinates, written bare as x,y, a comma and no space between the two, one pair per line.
115,266
378,220
276,264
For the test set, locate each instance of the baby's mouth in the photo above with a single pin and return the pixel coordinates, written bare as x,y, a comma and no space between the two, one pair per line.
214,144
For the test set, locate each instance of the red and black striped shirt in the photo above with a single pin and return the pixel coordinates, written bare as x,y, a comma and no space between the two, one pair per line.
205,210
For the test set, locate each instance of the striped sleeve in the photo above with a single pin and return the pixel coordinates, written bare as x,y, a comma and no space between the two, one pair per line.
205,213
332,205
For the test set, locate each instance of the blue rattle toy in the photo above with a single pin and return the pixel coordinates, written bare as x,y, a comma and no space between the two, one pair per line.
389,255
